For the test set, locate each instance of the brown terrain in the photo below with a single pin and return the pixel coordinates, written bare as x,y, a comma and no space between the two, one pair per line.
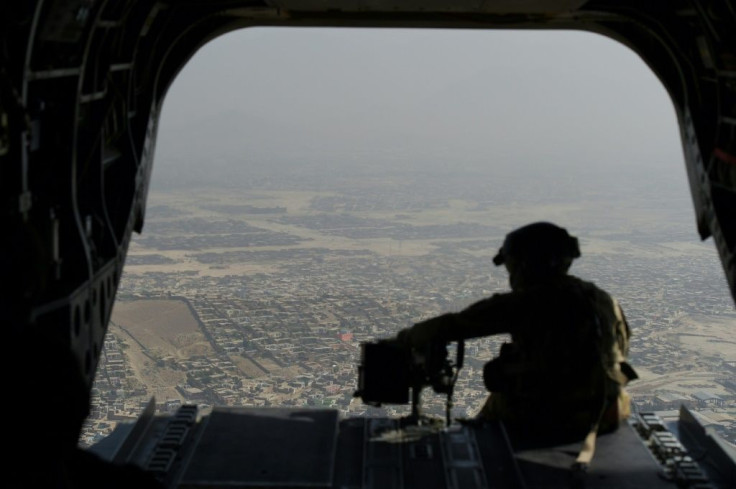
696,336
157,330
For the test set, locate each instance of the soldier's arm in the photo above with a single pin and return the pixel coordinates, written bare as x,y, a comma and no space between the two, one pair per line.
486,317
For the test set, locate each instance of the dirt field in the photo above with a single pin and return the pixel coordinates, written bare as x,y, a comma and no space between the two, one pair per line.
699,336
157,329
160,382
708,336
163,327
684,382
249,368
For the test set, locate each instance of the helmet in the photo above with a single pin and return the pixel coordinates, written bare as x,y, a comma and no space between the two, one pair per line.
541,243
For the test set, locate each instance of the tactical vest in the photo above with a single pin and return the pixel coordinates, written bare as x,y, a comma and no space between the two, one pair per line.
565,358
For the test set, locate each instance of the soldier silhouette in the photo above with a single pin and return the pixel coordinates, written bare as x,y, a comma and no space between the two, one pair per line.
565,369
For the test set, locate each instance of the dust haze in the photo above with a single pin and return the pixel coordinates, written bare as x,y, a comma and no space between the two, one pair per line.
532,105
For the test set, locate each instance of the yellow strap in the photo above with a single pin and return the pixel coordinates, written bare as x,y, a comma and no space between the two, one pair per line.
588,450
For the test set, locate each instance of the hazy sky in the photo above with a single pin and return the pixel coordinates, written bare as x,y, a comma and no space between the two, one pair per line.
571,112
530,99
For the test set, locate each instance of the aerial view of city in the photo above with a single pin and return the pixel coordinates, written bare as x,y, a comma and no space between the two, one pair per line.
369,185
261,295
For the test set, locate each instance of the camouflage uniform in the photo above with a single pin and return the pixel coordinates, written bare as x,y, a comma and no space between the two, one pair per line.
569,344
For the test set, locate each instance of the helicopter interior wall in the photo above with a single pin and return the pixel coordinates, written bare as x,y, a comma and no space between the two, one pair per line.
83,83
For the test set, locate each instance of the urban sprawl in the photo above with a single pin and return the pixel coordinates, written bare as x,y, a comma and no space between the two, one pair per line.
278,296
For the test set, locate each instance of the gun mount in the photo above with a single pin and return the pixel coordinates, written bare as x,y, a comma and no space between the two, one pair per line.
390,371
